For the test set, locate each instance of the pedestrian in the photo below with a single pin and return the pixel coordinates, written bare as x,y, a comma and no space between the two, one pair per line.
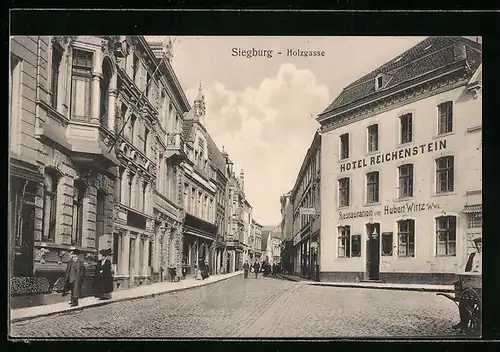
201,268
207,269
473,264
104,275
256,268
245,269
73,280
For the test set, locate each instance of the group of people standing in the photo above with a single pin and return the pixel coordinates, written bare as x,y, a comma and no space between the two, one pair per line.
75,276
202,270
265,267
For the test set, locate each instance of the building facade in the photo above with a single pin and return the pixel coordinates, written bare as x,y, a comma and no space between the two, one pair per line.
287,232
62,110
199,190
306,226
256,242
402,175
235,241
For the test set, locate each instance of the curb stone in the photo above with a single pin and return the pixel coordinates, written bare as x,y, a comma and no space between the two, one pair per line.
123,299
394,288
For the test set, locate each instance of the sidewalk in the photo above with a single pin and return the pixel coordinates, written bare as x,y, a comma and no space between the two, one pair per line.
118,296
375,285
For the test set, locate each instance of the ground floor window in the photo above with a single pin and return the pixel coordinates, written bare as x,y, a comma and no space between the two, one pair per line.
344,245
356,246
387,244
446,233
406,238
475,220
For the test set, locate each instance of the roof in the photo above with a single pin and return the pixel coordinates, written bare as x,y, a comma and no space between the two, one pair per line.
429,55
215,154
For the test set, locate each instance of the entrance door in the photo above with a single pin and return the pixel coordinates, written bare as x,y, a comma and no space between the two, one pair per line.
373,251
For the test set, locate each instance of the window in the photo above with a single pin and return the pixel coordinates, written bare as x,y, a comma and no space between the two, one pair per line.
356,246
148,85
372,187
57,54
344,192
446,233
146,136
474,220
150,254
131,129
444,174
372,138
144,197
193,203
344,241
379,82
405,181
344,146
406,125
135,67
406,238
445,117
78,196
130,189
51,182
80,84
104,88
116,247
386,243
15,85
186,196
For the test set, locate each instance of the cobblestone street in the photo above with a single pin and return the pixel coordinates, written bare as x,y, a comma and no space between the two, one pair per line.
264,307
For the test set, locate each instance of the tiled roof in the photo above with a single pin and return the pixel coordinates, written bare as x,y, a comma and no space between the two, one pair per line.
215,154
430,54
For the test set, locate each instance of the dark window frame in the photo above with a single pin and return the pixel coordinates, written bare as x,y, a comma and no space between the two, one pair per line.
445,117
405,177
445,174
372,187
344,241
406,125
373,138
406,237
344,190
446,227
344,146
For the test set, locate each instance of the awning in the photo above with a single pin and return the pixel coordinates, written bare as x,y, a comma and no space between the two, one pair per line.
476,208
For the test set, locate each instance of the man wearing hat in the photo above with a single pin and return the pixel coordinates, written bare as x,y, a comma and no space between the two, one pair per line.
474,264
75,274
104,275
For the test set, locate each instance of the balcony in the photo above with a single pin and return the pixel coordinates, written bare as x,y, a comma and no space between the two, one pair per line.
199,227
175,147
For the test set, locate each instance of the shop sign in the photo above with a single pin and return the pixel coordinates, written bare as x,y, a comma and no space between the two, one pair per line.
394,155
409,207
307,211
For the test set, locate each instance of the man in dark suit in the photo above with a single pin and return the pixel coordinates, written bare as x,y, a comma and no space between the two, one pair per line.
256,268
474,264
75,274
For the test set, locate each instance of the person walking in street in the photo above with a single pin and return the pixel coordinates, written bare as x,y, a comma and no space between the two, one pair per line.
256,268
75,274
104,275
245,269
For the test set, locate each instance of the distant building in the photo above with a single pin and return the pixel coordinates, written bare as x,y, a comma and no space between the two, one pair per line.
401,167
287,231
305,195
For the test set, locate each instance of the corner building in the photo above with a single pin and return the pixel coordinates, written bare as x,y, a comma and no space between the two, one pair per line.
401,168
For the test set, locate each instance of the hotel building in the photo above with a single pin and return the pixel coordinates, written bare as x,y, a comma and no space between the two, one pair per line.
401,167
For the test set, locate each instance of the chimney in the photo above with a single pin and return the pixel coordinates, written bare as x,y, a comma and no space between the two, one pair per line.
242,180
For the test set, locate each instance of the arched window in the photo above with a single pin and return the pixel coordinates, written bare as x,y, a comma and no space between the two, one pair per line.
79,191
104,87
50,184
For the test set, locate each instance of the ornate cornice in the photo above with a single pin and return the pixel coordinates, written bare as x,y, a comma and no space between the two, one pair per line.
402,98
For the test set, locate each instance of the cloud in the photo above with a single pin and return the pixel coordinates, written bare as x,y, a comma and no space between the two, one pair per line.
266,130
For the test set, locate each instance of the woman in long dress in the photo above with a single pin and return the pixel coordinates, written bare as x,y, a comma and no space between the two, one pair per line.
104,275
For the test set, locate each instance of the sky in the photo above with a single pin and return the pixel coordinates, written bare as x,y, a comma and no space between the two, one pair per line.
262,110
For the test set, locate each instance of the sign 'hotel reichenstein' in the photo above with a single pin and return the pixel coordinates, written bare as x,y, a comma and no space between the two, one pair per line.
395,155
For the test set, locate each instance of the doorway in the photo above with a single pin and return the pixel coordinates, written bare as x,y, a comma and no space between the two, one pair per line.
373,251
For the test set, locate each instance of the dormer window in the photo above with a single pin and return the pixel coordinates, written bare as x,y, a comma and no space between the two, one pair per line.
379,82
